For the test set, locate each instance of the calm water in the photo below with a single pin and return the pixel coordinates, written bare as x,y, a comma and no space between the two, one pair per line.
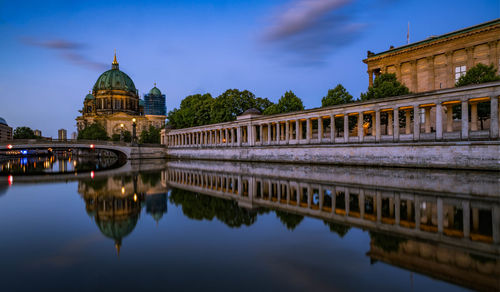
187,225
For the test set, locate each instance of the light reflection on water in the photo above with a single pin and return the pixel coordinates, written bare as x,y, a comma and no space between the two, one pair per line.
187,225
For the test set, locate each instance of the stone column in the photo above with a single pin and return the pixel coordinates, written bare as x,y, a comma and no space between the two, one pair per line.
370,78
287,131
332,128
238,135
414,81
450,71
269,133
374,129
494,117
346,128
261,134
390,126
473,116
431,74
396,124
360,127
439,121
278,128
297,124
397,204
251,135
377,125
416,123
320,129
308,130
465,119
449,118
300,130
408,121
440,215
427,119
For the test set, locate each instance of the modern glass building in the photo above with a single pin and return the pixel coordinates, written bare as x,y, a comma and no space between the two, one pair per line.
154,103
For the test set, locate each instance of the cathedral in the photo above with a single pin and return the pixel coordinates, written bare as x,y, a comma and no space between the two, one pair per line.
114,103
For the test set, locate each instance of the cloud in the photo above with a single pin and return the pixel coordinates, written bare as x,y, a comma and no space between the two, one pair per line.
70,51
307,31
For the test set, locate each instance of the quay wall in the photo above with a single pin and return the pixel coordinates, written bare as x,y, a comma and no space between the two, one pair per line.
480,155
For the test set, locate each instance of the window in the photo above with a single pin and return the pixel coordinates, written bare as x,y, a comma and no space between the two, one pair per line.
459,72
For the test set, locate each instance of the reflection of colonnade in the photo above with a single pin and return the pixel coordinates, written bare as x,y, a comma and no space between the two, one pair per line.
443,235
450,114
465,221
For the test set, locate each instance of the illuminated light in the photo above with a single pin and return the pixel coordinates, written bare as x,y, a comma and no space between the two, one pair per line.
24,152
479,99
135,197
451,102
405,107
427,105
123,190
74,163
11,179
122,125
92,146
134,120
92,174
9,146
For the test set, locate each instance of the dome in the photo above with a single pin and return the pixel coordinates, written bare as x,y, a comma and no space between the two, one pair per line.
252,111
89,96
155,91
117,229
115,79
2,121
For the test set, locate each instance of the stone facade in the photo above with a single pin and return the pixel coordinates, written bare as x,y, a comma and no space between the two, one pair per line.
437,62
5,133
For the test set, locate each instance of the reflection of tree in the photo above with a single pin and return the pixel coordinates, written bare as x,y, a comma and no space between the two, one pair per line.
340,229
388,243
153,178
291,221
198,206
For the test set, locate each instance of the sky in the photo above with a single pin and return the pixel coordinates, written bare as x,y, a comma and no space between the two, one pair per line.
52,52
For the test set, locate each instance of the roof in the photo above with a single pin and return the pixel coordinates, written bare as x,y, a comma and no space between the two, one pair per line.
3,122
155,91
252,111
435,38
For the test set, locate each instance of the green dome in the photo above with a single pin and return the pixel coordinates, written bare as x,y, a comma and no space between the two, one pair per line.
141,102
117,229
89,97
155,91
114,79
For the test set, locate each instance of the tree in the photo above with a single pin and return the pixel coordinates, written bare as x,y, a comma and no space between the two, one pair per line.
478,74
385,85
289,102
336,96
195,110
232,103
24,133
94,131
127,136
152,136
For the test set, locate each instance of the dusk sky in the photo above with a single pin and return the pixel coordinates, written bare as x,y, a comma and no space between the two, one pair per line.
52,52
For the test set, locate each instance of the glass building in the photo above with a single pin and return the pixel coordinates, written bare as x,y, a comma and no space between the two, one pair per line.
154,103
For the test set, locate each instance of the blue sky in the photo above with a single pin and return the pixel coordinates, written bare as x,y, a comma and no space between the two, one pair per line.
52,52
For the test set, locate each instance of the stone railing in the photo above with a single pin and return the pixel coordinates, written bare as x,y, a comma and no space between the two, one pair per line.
465,113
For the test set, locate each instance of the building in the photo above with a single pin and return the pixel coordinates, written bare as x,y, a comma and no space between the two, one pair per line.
37,133
114,103
154,103
62,135
438,61
5,131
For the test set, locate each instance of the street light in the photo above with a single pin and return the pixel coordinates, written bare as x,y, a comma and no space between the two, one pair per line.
134,138
121,132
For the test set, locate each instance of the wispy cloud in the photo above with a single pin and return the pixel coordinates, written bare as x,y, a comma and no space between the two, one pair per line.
68,50
309,30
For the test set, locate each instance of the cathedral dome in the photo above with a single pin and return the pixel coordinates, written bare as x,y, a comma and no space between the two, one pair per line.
3,122
114,79
89,96
155,91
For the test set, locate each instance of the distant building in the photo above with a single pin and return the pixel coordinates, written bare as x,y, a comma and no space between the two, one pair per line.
113,102
438,61
38,133
74,135
62,135
5,131
154,103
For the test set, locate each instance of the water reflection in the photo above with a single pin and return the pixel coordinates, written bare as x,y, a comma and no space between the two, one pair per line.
60,163
115,202
451,234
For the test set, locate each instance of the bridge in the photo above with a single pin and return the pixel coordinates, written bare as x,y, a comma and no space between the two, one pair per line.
449,128
121,149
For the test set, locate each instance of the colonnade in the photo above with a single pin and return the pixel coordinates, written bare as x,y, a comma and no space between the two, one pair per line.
449,114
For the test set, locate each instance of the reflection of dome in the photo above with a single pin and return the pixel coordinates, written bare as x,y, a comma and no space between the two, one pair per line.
156,205
2,121
115,79
155,91
117,229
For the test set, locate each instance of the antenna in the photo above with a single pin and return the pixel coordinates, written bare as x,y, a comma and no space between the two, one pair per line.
408,34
